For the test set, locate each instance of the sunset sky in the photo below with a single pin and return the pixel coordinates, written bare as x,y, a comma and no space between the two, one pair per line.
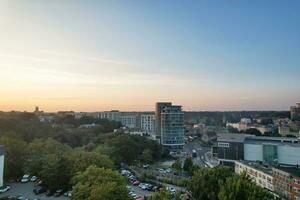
101,55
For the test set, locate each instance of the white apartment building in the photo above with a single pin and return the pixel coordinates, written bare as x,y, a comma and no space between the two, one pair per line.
129,120
148,123
113,115
262,176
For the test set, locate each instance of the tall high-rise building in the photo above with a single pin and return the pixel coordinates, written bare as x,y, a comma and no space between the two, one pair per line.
2,152
295,112
158,108
170,130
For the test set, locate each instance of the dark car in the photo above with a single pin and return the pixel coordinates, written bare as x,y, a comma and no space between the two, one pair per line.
58,192
39,190
49,193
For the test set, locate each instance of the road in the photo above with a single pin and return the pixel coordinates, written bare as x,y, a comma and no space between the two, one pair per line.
201,151
139,191
25,189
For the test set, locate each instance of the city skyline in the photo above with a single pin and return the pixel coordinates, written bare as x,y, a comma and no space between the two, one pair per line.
127,55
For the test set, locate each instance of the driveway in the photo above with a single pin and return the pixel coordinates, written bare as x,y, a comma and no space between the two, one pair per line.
25,189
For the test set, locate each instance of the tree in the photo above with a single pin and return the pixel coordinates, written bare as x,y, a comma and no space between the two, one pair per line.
38,152
51,161
177,165
99,184
204,184
241,187
188,164
82,160
56,171
15,155
146,156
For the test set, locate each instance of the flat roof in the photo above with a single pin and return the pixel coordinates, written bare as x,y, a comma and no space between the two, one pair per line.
252,139
294,171
232,137
258,166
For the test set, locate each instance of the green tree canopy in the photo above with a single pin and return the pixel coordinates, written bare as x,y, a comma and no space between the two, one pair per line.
241,187
188,165
82,160
99,184
15,155
204,184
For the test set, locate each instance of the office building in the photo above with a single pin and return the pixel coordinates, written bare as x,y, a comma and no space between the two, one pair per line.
271,150
172,131
158,109
295,112
2,154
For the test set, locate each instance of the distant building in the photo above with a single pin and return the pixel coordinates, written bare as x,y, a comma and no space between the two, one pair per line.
171,127
271,150
261,175
148,124
295,112
286,182
2,154
113,115
129,120
87,126
65,113
37,111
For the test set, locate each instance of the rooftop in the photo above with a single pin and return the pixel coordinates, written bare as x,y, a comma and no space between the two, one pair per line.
294,171
252,139
258,166
232,137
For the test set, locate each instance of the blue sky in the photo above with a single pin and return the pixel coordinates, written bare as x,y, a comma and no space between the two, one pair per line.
205,55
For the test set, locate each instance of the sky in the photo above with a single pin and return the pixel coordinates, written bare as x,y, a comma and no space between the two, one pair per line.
205,55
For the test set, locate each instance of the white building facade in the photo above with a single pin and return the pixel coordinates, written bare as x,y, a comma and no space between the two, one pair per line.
148,123
262,177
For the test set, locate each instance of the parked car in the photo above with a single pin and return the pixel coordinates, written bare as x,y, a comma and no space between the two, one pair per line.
49,193
39,190
22,198
136,183
68,193
33,179
58,192
4,188
25,178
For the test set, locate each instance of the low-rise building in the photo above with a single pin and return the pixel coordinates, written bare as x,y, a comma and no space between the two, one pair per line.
272,150
286,182
260,174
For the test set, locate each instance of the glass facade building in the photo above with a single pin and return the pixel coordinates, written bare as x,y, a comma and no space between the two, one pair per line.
171,126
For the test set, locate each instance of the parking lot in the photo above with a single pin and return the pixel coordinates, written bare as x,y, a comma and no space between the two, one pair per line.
25,189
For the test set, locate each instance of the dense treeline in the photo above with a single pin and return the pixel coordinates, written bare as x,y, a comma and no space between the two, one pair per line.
216,118
57,154
87,159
